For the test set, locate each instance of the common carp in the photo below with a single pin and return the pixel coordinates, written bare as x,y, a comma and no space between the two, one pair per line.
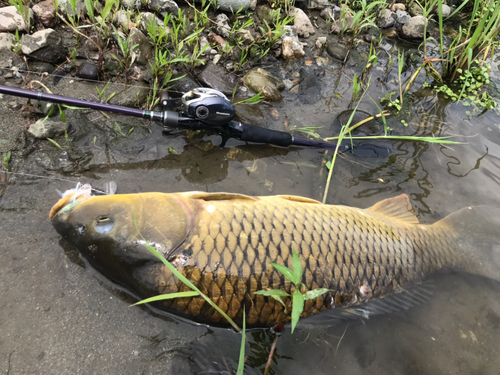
225,244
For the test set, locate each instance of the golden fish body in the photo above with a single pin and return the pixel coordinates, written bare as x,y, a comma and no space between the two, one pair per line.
225,244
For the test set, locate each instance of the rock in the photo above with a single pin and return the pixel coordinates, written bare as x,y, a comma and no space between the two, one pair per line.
7,41
415,10
65,7
131,4
386,19
446,10
147,18
397,6
390,33
291,49
11,19
223,27
216,58
163,7
320,42
327,14
247,36
216,77
45,45
48,128
132,96
233,5
402,17
310,84
302,23
42,67
46,13
180,86
260,80
265,13
143,50
336,50
122,18
88,71
319,4
414,28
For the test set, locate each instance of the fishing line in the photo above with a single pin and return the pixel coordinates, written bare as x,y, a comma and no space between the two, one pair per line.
66,77
53,178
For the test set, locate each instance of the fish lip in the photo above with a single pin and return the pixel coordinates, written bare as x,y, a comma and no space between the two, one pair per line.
66,203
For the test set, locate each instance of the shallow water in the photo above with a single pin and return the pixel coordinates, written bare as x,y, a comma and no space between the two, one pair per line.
58,315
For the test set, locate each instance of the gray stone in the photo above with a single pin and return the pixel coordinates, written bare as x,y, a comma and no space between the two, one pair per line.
415,10
414,28
216,77
131,4
132,96
121,18
319,4
46,13
44,45
302,23
260,80
327,14
163,7
12,20
446,10
292,49
65,7
142,52
147,18
88,71
336,50
182,85
310,84
7,41
223,27
265,13
48,128
402,16
233,5
386,19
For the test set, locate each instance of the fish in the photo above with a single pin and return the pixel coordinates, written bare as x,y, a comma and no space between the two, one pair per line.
224,243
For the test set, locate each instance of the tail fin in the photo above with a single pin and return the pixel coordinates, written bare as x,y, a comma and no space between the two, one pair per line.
478,243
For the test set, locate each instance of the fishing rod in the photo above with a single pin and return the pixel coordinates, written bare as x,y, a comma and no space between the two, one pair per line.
201,109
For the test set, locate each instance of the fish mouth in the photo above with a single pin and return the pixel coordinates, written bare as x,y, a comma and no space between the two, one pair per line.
69,199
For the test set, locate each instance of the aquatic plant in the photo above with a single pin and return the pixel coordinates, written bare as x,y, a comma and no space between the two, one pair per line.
467,52
24,11
126,50
6,161
299,295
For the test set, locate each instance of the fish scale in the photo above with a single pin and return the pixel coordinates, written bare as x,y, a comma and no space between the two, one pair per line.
225,244
341,255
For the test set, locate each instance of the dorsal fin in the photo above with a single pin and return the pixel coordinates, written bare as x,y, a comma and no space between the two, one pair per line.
397,208
296,198
216,196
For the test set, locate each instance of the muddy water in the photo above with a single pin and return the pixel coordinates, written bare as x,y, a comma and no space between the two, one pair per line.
60,316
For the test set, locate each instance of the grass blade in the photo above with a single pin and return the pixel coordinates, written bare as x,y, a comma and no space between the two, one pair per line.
297,307
188,283
162,297
241,362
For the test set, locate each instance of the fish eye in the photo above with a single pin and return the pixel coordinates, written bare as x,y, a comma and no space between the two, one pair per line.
104,224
